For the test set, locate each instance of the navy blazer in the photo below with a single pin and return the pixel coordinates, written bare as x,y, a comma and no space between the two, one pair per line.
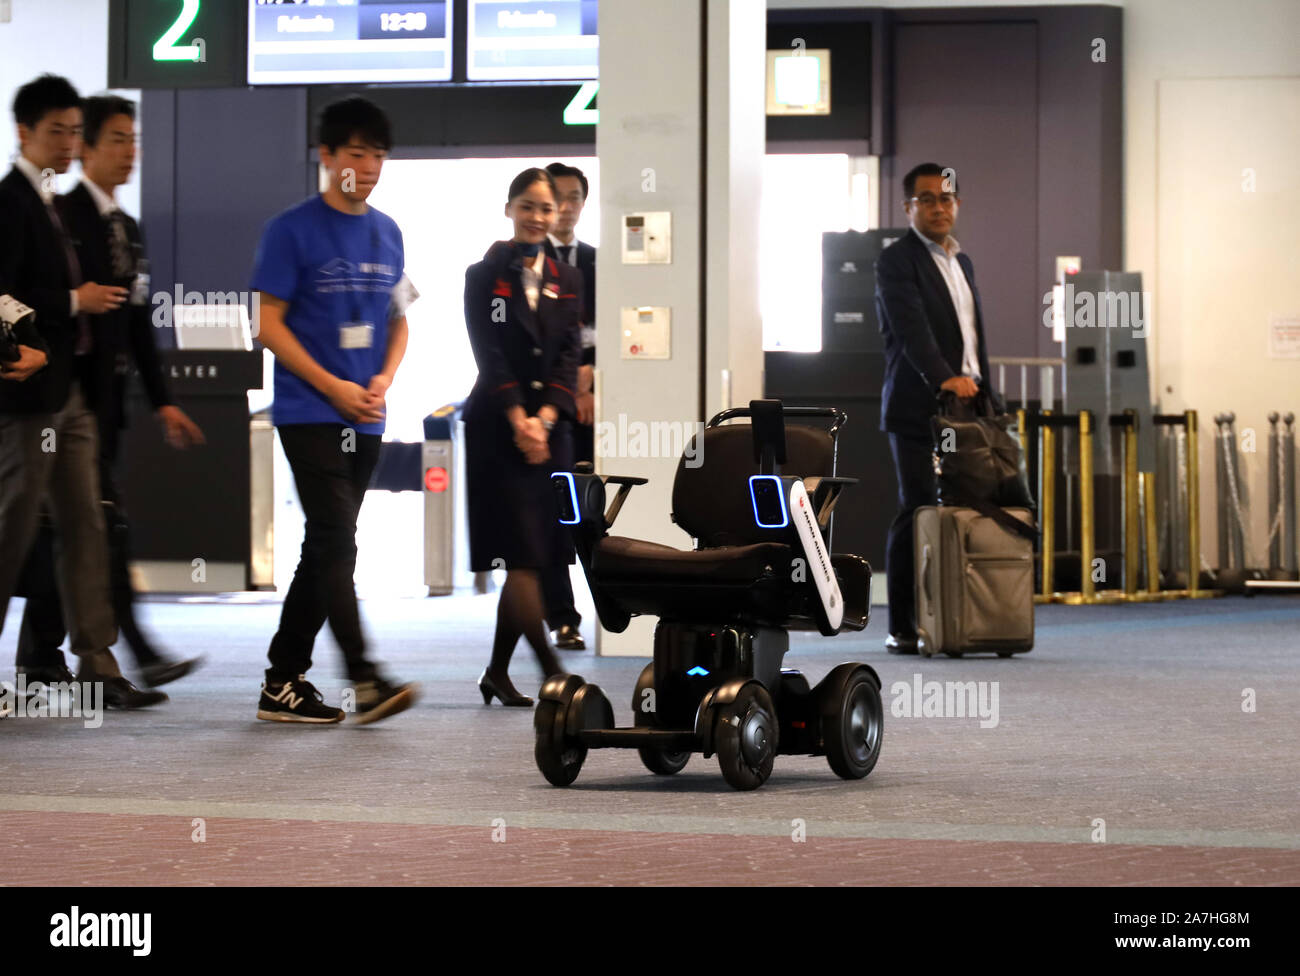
923,342
587,316
524,358
34,269
123,335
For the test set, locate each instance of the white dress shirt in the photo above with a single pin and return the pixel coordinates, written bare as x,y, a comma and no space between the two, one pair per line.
104,203
533,278
557,244
945,259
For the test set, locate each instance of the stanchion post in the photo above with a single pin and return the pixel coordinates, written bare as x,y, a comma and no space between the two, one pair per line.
1087,588
1153,546
1193,508
1132,545
1047,502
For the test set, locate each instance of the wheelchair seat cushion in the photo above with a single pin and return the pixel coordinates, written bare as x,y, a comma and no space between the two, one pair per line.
618,558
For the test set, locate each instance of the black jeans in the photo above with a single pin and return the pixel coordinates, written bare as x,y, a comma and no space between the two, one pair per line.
915,470
331,468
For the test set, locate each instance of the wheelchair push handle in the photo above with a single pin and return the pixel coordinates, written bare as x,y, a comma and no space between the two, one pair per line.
733,413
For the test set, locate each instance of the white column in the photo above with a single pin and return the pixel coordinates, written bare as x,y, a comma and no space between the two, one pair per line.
662,107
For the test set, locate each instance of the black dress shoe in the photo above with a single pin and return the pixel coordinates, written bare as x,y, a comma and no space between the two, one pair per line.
48,675
569,638
120,693
502,689
900,644
164,671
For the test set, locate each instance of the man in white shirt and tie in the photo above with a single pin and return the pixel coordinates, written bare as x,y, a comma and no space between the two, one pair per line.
562,244
47,429
929,314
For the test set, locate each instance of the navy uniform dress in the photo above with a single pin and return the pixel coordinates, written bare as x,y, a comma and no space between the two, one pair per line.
529,359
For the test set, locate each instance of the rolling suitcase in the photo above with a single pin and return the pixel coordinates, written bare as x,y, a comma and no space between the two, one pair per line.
974,583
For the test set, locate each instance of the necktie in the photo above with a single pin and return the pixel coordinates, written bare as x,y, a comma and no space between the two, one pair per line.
565,251
84,341
119,245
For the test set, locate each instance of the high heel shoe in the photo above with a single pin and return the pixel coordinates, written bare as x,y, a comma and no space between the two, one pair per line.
509,695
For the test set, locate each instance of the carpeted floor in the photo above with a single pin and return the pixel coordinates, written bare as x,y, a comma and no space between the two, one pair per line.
1121,754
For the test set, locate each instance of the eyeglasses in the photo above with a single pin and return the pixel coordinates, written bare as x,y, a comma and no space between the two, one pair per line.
928,200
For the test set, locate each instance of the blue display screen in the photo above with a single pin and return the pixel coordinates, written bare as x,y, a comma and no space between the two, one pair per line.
531,40
348,41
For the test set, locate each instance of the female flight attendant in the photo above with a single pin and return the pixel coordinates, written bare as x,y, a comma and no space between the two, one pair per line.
521,309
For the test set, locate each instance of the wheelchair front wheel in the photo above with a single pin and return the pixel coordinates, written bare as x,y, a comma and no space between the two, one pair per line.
746,738
559,756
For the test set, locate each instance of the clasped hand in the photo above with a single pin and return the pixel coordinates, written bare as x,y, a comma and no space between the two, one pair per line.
533,440
361,405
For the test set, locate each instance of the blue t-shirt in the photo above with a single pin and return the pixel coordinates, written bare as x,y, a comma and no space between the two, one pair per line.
337,271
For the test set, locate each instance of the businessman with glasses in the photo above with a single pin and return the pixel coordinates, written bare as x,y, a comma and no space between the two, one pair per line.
929,314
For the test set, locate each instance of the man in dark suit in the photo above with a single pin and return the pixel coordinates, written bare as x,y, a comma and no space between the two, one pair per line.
49,447
563,245
929,313
109,248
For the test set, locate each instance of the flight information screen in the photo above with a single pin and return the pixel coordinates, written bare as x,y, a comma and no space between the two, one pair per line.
531,40
348,41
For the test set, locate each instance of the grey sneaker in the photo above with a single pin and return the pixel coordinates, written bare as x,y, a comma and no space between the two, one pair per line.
379,699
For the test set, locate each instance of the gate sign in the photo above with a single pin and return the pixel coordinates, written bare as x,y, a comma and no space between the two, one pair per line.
435,480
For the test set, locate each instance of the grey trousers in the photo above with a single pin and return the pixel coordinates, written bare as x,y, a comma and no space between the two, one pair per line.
55,457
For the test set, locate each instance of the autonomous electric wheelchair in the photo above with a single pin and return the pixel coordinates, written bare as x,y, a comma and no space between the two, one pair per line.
761,568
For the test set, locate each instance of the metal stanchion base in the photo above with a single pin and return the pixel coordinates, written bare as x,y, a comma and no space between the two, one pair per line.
1273,584
1122,596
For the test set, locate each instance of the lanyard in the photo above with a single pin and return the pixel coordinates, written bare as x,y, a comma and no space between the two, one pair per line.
354,296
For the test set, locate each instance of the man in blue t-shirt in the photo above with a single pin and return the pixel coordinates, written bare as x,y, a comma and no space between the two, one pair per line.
333,298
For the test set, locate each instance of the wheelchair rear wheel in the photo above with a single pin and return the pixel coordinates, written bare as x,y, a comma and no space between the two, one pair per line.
854,729
745,737
661,762
658,761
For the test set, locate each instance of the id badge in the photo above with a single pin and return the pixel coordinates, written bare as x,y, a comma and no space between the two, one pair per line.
356,335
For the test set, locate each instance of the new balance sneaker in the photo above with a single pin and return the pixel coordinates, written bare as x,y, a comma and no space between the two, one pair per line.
295,701
379,699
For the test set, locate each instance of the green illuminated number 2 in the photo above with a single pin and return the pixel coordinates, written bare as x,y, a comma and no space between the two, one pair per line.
165,48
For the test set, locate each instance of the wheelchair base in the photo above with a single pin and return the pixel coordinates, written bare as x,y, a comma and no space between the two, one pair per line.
717,691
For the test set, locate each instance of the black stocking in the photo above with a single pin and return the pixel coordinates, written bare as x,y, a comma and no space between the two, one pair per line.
520,611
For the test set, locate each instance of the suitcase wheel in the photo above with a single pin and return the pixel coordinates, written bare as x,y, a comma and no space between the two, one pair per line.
924,645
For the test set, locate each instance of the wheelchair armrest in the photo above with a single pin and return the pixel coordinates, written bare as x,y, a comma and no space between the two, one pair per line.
825,495
625,484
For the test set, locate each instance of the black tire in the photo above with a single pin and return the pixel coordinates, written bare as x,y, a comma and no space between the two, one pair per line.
558,756
658,761
745,738
954,653
663,763
1005,653
853,736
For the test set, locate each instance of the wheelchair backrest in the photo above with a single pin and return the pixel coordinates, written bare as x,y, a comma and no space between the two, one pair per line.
711,490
